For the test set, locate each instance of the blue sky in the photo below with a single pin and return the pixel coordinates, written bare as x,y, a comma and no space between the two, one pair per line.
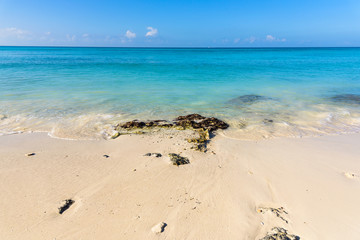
180,23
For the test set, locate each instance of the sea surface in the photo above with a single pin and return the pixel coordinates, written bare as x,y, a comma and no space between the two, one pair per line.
81,93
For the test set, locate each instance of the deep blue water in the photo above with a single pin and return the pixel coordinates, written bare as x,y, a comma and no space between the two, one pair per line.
82,92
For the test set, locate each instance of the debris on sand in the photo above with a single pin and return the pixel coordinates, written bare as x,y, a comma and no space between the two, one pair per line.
66,206
159,228
278,233
177,160
279,212
30,154
153,154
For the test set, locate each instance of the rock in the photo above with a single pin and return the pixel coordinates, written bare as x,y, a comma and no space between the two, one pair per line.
247,99
30,154
268,121
278,233
116,135
191,121
190,117
205,126
346,98
201,142
177,160
106,156
197,121
159,228
153,154
157,155
66,206
135,124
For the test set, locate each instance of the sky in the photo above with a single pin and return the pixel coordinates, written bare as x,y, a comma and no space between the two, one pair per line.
180,23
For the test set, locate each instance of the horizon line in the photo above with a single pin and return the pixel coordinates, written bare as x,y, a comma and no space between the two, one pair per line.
179,47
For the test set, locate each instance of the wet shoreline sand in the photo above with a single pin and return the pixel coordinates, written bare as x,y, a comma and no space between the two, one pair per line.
236,190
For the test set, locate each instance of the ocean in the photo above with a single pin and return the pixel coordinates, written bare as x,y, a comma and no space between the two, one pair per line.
81,93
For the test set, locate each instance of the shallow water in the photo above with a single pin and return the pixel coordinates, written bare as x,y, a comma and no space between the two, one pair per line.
83,92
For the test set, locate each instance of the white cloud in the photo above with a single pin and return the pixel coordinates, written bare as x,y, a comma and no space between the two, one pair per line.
130,35
13,32
271,38
152,32
85,35
236,40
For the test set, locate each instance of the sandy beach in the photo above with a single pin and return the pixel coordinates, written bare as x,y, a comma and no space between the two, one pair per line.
237,190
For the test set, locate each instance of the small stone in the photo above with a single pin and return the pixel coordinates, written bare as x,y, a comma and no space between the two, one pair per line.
30,154
106,156
116,135
153,154
66,206
159,228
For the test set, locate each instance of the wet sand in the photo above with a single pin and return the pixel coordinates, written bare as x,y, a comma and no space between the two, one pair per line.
237,190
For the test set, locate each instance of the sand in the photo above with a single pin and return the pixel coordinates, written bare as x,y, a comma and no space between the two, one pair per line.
309,186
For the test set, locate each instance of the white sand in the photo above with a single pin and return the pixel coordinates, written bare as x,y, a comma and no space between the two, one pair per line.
314,183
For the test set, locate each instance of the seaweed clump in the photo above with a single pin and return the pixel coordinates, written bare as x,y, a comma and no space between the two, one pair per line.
177,160
278,233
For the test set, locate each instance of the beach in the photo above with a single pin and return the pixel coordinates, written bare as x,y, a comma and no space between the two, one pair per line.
179,143
236,190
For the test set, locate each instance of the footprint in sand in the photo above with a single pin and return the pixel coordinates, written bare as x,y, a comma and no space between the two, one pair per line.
351,175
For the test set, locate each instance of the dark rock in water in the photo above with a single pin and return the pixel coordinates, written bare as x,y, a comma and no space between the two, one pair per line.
133,124
247,99
150,124
68,203
346,98
177,160
190,117
268,121
280,234
192,121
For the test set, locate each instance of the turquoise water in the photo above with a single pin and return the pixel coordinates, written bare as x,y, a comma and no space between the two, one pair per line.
83,92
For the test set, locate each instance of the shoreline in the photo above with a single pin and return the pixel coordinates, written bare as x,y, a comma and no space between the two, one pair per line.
308,186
